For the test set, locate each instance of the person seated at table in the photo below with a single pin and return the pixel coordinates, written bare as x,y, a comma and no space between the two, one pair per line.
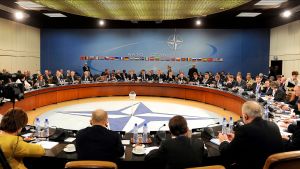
291,82
179,152
97,142
13,146
257,85
252,143
206,80
131,76
86,77
113,78
143,76
40,82
267,90
119,76
230,83
106,74
150,75
181,79
47,76
249,81
57,78
218,81
22,80
240,82
295,102
170,77
293,126
195,79
277,93
160,76
72,78
124,75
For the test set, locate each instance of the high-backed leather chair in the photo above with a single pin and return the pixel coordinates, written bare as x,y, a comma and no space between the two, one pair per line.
91,164
209,167
286,160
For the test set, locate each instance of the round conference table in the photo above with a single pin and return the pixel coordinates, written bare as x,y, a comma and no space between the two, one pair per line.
52,95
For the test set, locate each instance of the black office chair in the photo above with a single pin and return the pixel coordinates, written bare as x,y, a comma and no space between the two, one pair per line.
3,161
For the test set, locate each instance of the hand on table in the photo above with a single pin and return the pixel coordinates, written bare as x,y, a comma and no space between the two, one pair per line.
285,138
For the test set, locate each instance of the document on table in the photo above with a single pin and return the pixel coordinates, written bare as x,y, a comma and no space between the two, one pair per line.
215,141
148,149
125,142
47,144
70,139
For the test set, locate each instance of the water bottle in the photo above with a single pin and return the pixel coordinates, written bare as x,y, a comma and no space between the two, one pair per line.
224,126
266,113
135,133
46,128
145,133
37,125
231,125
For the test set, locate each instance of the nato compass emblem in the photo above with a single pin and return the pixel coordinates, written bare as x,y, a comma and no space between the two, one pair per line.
174,41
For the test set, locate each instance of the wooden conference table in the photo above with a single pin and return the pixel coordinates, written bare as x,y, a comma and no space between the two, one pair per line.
51,95
56,157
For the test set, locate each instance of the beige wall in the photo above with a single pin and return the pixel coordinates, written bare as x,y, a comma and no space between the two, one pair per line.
19,47
285,44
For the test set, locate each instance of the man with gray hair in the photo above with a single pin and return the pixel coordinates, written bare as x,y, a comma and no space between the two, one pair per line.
97,142
252,143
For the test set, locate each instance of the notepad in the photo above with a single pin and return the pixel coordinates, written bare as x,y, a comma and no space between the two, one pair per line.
47,144
125,142
215,141
70,139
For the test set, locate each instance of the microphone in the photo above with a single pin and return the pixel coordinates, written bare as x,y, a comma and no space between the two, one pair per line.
161,135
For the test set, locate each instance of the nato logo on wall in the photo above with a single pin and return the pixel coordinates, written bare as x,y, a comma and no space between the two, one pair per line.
153,49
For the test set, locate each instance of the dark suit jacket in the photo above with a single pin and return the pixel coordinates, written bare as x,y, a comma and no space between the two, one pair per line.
98,143
242,84
178,153
86,68
294,143
162,76
70,80
56,80
252,145
253,87
279,95
191,72
133,77
267,91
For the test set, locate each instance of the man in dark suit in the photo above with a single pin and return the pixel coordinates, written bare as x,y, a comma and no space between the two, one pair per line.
143,75
86,68
97,142
192,70
179,152
267,90
240,82
257,85
57,78
72,78
292,143
277,93
207,80
253,142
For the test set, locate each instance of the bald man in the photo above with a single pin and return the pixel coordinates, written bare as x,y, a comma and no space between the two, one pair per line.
97,142
252,143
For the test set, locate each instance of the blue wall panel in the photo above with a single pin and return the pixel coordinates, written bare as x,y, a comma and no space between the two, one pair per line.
245,50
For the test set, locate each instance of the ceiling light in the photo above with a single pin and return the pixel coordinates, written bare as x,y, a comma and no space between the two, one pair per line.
198,22
101,22
270,2
248,14
19,15
286,14
29,5
55,15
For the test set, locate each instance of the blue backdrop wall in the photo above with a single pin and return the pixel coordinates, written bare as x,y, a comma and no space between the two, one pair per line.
245,50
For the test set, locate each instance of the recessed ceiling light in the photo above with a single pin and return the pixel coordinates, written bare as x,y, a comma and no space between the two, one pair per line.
270,2
248,14
55,15
29,5
286,14
19,15
101,22
198,22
